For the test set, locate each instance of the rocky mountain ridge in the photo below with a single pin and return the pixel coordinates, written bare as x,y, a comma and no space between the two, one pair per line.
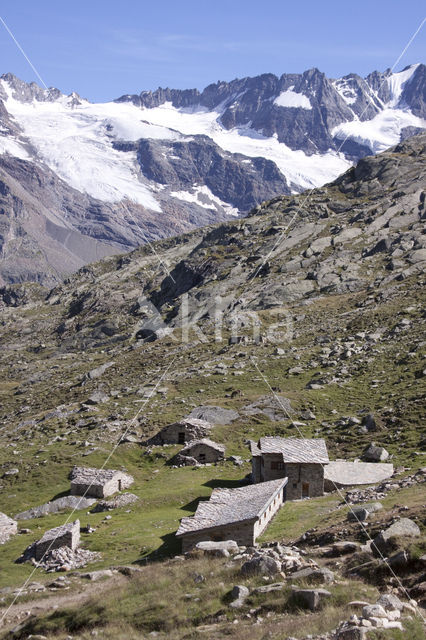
81,180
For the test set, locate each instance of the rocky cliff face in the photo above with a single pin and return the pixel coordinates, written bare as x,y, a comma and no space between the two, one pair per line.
80,181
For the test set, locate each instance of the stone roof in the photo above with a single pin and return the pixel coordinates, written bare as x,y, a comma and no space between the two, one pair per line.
227,506
94,477
58,532
254,449
353,473
190,422
297,450
203,441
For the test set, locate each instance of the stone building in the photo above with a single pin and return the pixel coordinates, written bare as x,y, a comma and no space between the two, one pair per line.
182,432
240,514
8,528
300,460
67,535
203,451
98,483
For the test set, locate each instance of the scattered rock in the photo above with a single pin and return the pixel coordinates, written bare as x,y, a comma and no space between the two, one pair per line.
123,500
309,598
401,528
318,576
374,453
240,595
263,565
221,548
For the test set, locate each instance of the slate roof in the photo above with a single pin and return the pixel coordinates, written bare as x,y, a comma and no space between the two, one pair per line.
298,450
254,449
353,473
57,532
94,477
203,441
198,423
227,506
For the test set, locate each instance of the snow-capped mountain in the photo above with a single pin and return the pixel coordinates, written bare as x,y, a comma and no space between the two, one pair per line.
79,180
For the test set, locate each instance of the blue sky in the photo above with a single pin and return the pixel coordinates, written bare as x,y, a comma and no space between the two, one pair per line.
103,49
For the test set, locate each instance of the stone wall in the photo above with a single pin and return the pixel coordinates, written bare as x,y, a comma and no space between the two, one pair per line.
203,453
304,480
244,533
182,432
118,482
241,532
67,535
267,515
256,469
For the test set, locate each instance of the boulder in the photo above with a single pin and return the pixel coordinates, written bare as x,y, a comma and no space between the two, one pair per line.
374,453
263,565
359,513
369,422
342,547
399,559
267,588
390,602
318,576
97,575
214,415
309,598
240,594
352,633
99,371
373,611
60,504
401,528
220,548
97,397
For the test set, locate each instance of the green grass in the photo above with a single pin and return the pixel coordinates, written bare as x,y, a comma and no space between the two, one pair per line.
165,599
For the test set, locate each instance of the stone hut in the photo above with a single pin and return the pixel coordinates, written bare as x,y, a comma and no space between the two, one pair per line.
98,483
182,432
240,514
67,535
8,528
203,451
300,460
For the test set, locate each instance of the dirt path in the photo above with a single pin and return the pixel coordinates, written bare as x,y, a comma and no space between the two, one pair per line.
79,591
